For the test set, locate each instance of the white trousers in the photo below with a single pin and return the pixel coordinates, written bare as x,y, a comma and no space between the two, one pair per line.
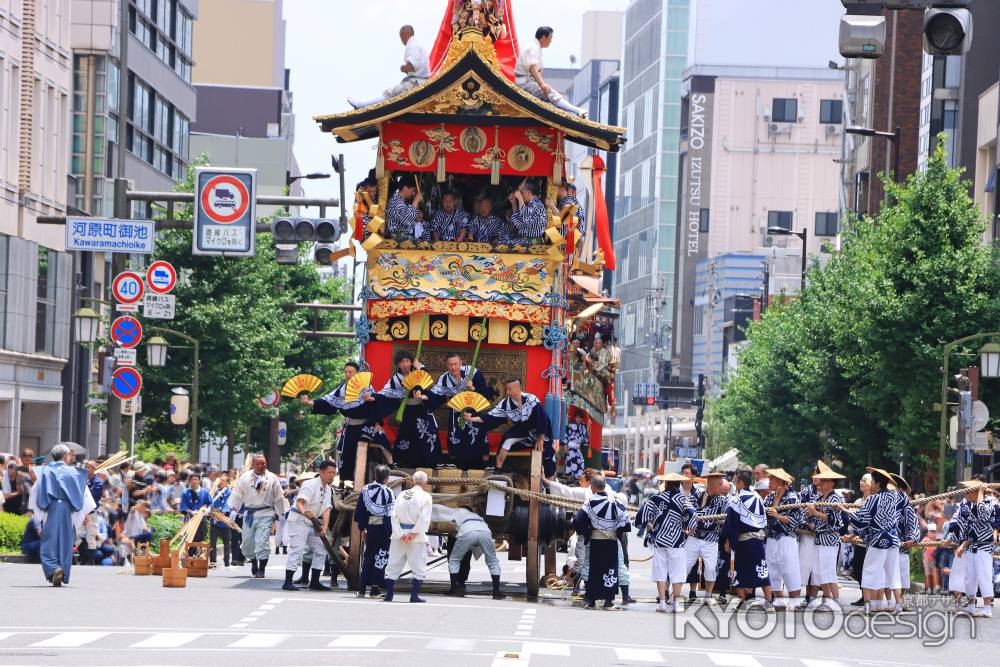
825,569
304,539
669,565
807,560
881,568
707,551
904,570
782,555
979,573
402,553
956,579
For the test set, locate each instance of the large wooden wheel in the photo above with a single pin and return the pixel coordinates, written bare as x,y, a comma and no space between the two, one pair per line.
533,549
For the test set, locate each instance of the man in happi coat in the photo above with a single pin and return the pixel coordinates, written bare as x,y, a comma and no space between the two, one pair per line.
313,502
703,543
468,446
451,223
980,520
487,227
878,522
668,532
403,218
577,437
373,514
258,492
60,500
807,543
474,537
530,217
417,444
361,422
600,522
744,533
826,523
782,547
530,426
411,518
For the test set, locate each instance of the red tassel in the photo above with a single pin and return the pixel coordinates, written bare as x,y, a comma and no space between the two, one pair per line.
601,216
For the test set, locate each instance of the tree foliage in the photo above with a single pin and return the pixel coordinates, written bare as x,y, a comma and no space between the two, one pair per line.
249,341
851,370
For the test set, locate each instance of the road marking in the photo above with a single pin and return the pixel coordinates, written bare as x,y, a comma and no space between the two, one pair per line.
259,641
4,635
427,605
509,659
167,640
267,607
451,644
275,600
238,625
357,641
822,663
522,634
248,619
733,660
639,654
545,648
70,639
258,612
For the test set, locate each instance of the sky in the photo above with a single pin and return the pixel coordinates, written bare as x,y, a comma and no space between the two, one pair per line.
341,48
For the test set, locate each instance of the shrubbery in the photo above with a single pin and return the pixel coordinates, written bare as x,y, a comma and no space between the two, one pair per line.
164,526
11,531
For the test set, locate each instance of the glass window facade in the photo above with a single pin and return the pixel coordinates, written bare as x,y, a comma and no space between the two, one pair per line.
165,28
45,309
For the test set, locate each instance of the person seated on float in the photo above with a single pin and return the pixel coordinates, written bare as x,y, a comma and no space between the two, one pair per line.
529,217
451,223
403,218
566,196
416,68
486,227
528,73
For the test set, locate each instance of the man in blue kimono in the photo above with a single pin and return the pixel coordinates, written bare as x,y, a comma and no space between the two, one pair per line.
530,426
468,446
743,533
373,514
193,499
600,522
62,490
417,444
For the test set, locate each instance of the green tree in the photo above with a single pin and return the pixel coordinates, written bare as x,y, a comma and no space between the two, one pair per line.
249,340
851,369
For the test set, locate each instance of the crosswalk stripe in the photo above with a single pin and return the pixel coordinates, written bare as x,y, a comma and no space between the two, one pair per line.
545,648
639,654
451,644
167,640
259,641
70,639
822,663
510,659
357,641
4,635
733,660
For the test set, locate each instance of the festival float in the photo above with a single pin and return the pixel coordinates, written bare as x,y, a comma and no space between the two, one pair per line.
512,309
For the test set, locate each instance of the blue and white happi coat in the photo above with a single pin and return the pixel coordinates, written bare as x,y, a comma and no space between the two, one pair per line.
675,515
530,220
467,441
448,225
401,221
828,532
490,229
775,528
577,437
878,520
978,523
417,440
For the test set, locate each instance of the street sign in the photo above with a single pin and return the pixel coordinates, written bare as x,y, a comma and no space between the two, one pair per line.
128,287
980,416
686,452
109,235
225,212
126,383
126,332
132,406
161,277
981,443
270,400
125,356
282,433
159,306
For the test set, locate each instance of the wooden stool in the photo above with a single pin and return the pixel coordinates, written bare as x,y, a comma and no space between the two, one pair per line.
197,563
161,560
142,562
175,576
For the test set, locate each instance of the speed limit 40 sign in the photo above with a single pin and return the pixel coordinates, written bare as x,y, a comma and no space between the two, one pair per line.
225,212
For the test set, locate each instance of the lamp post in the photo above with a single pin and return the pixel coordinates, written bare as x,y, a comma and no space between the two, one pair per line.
156,355
804,235
893,137
86,322
990,359
289,179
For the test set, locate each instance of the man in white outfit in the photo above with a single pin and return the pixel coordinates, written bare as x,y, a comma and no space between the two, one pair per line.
259,493
416,67
528,73
313,502
411,518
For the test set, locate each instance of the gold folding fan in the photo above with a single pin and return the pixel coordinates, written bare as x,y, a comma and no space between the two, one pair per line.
420,379
301,384
358,383
468,400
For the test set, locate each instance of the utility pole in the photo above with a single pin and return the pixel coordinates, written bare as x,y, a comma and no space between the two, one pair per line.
121,208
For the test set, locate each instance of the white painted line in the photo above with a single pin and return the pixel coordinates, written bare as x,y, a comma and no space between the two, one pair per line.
545,648
238,625
266,607
167,640
5,635
522,634
357,641
733,660
639,654
248,619
531,612
276,600
451,644
261,613
70,639
822,663
525,627
510,659
259,641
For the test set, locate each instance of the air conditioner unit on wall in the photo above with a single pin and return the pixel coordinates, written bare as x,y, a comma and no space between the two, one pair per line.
832,130
779,128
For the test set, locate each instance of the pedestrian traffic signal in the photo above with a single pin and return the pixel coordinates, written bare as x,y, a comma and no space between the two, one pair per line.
947,26
947,31
297,230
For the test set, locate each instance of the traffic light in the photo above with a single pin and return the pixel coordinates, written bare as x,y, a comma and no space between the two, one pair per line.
862,29
296,230
948,30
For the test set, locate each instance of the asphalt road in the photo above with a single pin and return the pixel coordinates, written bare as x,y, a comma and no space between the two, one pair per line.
110,618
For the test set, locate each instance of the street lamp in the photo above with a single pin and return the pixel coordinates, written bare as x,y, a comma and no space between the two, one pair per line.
156,351
316,176
989,360
804,235
893,137
85,324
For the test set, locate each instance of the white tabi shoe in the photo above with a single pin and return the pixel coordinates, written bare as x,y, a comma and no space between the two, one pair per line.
662,607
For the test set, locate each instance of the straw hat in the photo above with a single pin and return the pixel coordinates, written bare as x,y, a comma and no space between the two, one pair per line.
823,468
710,475
781,474
899,482
671,477
826,472
884,474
